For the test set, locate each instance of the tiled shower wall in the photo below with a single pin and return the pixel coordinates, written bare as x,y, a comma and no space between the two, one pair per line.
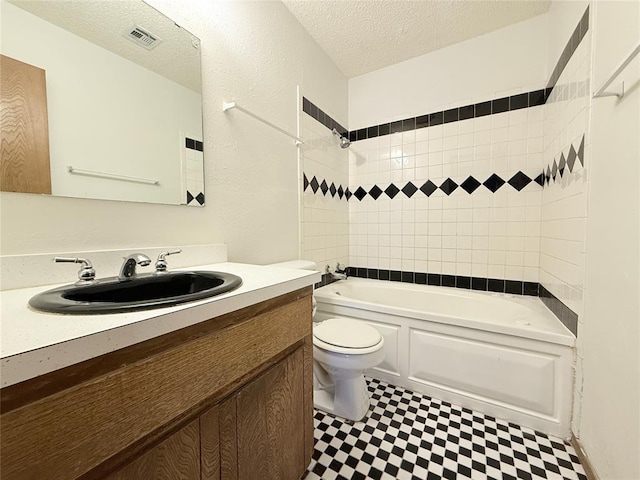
458,199
325,211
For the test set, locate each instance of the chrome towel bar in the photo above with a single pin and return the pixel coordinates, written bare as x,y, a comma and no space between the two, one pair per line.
111,176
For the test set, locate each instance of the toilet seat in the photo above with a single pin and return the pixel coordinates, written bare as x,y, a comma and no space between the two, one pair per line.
341,335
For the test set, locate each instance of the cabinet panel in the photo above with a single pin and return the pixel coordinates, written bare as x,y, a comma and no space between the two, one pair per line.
210,445
271,423
176,458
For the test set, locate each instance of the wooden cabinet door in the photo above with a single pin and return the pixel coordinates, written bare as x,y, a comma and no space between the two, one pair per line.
24,128
176,458
270,423
192,453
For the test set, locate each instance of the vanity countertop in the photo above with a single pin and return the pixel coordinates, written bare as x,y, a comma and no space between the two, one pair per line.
34,343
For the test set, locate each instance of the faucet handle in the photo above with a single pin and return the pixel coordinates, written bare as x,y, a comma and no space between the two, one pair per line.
161,263
86,274
339,268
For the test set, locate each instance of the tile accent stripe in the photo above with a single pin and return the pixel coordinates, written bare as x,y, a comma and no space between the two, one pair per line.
490,107
314,112
572,44
192,144
514,287
567,316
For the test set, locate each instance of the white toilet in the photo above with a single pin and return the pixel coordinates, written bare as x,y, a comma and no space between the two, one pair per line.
343,350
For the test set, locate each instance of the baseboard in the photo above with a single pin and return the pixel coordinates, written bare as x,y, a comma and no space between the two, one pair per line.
584,460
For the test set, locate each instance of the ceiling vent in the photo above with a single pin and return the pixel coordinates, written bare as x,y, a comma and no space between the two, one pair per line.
142,37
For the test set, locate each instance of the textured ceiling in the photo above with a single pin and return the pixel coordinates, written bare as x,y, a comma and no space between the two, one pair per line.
365,35
102,22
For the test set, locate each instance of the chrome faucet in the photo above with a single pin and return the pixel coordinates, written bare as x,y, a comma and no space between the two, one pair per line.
161,262
86,275
338,273
128,269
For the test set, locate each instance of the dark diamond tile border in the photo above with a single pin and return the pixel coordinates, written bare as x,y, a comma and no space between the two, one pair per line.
567,164
448,186
360,193
519,181
322,186
391,191
428,188
470,185
409,189
493,183
375,192
199,198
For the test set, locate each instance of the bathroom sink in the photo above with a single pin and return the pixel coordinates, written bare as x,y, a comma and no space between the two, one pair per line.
143,292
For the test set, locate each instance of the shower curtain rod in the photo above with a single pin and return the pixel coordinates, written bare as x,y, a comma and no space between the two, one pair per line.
230,105
623,65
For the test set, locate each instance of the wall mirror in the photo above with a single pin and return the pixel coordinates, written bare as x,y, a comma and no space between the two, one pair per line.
100,99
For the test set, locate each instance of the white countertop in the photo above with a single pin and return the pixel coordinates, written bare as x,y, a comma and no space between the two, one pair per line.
34,343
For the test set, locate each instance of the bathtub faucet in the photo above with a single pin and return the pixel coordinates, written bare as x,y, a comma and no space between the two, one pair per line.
338,273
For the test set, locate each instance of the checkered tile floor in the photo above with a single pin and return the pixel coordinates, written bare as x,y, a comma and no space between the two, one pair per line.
409,436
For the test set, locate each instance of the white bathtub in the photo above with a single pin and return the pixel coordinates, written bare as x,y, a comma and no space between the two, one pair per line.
502,355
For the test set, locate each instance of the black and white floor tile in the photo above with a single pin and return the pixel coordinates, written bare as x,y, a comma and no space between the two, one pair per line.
410,436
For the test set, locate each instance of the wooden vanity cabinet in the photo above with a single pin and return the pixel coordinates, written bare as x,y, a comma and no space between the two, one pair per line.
178,456
229,398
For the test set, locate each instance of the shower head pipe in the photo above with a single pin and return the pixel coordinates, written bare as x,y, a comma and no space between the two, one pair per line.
344,141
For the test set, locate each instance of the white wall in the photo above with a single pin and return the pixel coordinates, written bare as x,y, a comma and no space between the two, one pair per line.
254,53
103,110
609,425
494,65
483,234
